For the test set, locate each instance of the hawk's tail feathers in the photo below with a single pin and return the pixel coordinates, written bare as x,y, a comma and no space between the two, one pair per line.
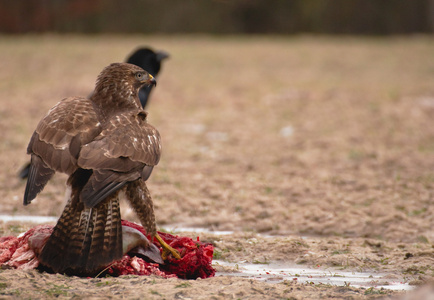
85,240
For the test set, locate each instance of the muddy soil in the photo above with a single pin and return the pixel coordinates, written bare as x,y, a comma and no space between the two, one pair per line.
312,150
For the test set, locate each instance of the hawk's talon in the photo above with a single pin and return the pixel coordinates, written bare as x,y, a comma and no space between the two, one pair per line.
167,250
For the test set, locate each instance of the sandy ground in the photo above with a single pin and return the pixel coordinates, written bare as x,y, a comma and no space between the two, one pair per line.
329,139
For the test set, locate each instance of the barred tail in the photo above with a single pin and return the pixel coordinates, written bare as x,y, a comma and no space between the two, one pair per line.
85,240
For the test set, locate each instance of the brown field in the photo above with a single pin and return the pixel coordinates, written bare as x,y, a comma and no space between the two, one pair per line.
326,138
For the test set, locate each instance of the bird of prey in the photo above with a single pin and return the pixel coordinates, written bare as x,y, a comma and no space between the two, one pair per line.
148,60
105,144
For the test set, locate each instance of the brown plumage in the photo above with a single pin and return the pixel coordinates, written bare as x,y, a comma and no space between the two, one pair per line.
104,144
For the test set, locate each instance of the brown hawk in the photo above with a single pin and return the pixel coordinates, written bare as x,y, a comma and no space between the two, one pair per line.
105,145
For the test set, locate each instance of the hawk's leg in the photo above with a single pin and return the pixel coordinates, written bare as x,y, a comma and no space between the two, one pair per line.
140,200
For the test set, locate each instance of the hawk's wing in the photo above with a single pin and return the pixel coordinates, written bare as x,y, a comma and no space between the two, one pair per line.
127,149
57,140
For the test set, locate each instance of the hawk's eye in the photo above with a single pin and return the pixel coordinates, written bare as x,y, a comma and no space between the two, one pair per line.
139,75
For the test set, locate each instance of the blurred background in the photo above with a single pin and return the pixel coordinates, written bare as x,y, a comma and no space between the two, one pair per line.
219,16
303,117
307,118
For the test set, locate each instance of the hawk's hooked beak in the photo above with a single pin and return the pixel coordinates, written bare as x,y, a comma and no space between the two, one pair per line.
151,80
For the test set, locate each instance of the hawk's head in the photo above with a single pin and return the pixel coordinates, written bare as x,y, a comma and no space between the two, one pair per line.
118,86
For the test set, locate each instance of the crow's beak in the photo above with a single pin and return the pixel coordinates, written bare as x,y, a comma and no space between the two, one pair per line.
160,55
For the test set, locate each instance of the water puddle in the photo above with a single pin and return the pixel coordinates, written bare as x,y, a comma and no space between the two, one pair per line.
271,273
278,272
30,219
177,229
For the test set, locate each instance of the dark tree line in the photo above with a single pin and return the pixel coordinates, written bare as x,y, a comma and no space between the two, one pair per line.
373,17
